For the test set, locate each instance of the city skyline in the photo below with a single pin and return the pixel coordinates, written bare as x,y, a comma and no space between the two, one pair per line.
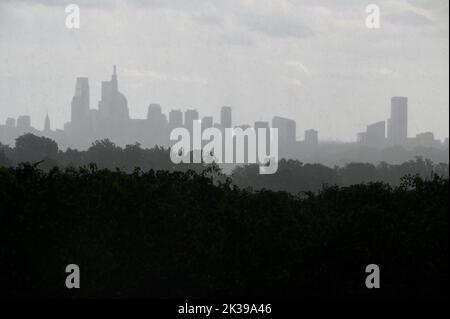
315,62
111,119
167,110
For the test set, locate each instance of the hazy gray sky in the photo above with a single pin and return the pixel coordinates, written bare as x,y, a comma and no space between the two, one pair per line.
313,60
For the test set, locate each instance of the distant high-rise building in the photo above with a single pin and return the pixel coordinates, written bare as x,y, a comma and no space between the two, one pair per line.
189,117
207,122
225,117
286,129
154,111
24,122
398,123
80,101
176,118
426,139
10,122
47,127
311,137
376,134
261,124
114,105
156,125
361,138
156,117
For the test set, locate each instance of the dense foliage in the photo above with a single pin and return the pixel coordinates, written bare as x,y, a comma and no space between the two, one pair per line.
292,175
179,234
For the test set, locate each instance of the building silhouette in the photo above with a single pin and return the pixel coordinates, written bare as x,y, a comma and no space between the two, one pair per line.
47,127
286,129
114,105
23,123
225,117
207,122
398,122
80,102
111,120
311,137
376,134
175,118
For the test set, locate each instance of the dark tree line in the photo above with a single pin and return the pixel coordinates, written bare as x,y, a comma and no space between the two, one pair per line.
292,175
179,234
103,153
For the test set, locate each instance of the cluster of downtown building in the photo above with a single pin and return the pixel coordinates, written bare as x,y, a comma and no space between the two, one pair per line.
111,120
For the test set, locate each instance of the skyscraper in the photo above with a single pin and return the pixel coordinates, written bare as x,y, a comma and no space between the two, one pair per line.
47,124
24,122
155,115
427,139
207,122
157,125
189,117
376,134
10,122
113,105
225,117
175,118
80,101
398,123
311,137
286,129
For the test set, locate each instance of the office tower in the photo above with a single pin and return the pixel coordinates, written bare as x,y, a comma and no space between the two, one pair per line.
154,111
157,126
261,124
225,117
207,122
426,139
47,124
361,138
113,105
10,122
376,134
175,118
80,101
311,137
155,117
286,129
24,122
398,123
189,117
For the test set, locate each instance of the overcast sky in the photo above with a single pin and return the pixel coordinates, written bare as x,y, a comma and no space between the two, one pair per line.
314,60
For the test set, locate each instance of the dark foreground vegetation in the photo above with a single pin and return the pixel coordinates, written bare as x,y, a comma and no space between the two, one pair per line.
179,234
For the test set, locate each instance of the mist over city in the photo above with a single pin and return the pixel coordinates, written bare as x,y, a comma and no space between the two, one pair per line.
195,152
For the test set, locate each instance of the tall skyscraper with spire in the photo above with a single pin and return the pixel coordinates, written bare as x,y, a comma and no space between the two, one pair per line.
113,105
